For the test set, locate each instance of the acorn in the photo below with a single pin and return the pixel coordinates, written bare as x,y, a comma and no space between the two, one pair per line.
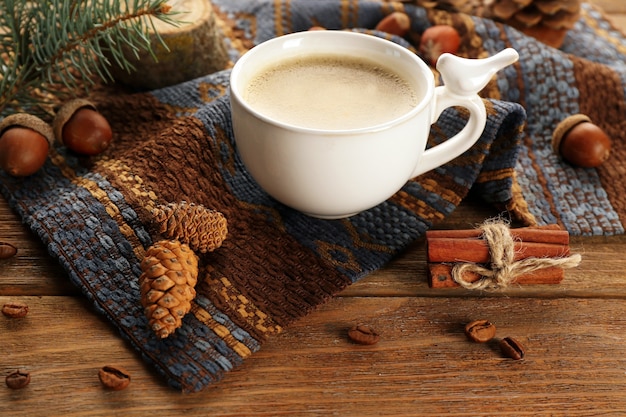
81,128
396,23
580,142
24,144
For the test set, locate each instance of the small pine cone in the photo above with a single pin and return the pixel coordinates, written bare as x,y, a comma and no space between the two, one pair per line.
170,273
201,228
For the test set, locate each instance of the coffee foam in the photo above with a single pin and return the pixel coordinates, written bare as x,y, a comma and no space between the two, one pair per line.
330,92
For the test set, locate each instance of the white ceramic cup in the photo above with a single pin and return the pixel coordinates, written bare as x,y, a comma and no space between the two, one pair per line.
337,173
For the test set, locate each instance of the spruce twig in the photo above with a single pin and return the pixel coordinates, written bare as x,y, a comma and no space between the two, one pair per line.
51,49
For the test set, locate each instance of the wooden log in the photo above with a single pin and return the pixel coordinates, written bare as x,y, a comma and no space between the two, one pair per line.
196,48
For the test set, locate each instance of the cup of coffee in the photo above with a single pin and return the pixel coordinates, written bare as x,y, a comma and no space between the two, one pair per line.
332,123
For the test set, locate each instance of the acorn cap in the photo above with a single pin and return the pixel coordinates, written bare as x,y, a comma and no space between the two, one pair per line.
29,121
66,112
565,126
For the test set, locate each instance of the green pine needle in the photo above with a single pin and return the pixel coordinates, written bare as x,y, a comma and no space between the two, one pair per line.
55,48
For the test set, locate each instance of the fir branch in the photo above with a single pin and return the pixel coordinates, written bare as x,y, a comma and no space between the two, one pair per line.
53,48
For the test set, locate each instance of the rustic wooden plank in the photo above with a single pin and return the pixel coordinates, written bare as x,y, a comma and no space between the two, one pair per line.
423,364
574,334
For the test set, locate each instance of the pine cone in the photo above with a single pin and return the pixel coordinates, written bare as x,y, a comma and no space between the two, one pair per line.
170,273
201,228
546,20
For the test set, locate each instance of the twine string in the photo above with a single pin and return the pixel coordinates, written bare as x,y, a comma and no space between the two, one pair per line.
503,269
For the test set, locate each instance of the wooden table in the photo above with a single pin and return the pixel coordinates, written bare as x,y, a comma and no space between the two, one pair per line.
575,335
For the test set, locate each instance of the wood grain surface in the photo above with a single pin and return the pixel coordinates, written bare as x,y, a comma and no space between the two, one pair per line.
574,334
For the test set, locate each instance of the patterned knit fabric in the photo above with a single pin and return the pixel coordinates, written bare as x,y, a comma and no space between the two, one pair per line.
277,265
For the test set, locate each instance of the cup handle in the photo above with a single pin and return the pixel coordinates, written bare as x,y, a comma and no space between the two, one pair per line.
462,141
463,79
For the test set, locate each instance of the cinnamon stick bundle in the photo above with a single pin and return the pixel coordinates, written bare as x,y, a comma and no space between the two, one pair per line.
446,248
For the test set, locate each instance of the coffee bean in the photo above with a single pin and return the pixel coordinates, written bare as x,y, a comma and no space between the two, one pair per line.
7,250
363,335
480,331
15,310
114,378
17,379
511,348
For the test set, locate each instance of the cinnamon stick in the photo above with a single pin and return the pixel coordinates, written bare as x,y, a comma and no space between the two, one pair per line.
541,234
477,250
440,276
